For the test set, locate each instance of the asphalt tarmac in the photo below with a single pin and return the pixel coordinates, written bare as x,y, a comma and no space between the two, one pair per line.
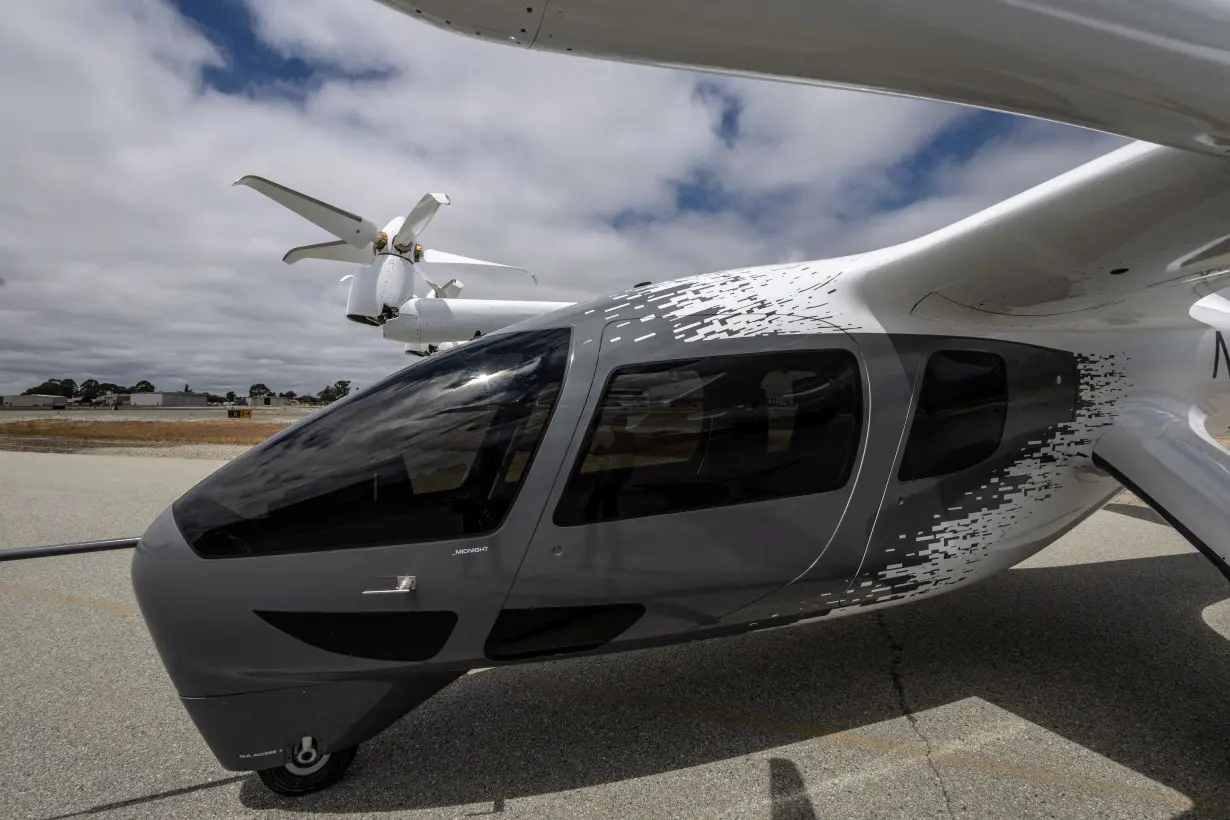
1091,681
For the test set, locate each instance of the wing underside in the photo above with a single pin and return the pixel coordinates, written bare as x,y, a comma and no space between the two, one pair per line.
1160,450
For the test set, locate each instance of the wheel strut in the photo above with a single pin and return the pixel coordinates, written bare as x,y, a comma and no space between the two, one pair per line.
308,770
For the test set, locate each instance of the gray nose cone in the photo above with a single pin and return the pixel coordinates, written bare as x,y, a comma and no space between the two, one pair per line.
199,613
161,537
158,571
155,555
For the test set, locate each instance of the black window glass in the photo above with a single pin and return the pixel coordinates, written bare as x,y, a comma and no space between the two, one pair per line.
436,451
685,435
960,416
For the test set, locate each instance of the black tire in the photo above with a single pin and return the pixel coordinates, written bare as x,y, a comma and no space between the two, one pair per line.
292,781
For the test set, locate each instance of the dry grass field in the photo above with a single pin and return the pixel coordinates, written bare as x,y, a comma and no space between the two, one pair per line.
138,432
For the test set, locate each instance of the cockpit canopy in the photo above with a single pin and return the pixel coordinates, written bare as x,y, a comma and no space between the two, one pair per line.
436,451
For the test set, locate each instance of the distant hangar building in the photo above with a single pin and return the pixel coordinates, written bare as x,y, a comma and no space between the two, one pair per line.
176,398
37,400
269,401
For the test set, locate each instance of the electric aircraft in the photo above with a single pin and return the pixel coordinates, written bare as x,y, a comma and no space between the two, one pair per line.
382,292
741,450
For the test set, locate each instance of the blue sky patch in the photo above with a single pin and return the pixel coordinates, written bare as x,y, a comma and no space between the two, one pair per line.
914,178
630,219
730,106
702,194
251,67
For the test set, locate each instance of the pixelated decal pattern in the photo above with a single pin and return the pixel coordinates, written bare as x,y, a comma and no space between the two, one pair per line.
948,552
738,301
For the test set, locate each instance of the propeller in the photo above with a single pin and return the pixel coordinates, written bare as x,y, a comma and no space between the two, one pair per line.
432,257
336,251
359,241
449,290
414,223
351,229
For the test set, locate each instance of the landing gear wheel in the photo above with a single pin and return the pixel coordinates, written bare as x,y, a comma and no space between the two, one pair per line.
309,771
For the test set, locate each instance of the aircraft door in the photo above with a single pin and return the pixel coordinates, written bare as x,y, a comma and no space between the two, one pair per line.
702,476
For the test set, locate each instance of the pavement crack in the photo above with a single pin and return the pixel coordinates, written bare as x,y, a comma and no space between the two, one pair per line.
898,678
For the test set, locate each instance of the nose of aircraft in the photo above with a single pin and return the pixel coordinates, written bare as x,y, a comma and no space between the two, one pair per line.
159,551
251,693
194,609
505,20
264,587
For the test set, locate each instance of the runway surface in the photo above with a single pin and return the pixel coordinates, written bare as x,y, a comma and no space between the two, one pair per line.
1091,681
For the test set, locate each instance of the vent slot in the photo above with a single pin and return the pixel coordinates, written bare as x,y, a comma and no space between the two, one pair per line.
531,633
379,636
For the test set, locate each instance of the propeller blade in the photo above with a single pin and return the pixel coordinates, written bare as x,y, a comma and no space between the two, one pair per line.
337,251
351,229
441,258
417,219
449,290
420,215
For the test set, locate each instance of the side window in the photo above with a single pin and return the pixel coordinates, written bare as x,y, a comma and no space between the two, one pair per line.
685,435
960,416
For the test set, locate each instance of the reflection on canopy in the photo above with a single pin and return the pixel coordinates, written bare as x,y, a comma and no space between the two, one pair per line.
436,451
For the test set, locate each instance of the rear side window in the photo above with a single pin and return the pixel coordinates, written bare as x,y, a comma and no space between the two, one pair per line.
686,435
960,417
437,451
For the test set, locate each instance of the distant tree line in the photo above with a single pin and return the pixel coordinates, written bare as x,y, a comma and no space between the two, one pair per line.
332,392
90,390
87,391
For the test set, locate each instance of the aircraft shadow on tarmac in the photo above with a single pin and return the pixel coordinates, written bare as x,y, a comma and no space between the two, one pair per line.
1112,656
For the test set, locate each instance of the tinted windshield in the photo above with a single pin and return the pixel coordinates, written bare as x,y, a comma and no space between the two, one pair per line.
436,451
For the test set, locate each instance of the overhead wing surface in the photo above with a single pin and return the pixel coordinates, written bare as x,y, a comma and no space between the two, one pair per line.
1132,238
1154,70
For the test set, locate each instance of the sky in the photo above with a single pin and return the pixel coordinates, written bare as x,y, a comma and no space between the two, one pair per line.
126,254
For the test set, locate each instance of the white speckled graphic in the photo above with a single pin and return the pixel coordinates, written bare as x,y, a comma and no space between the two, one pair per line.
984,518
950,550
738,301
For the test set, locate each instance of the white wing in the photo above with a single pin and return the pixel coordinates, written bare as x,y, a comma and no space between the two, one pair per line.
1132,238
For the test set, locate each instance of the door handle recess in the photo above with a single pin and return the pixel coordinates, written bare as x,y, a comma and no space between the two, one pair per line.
405,583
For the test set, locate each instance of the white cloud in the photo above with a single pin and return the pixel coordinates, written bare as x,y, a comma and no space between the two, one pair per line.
126,254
